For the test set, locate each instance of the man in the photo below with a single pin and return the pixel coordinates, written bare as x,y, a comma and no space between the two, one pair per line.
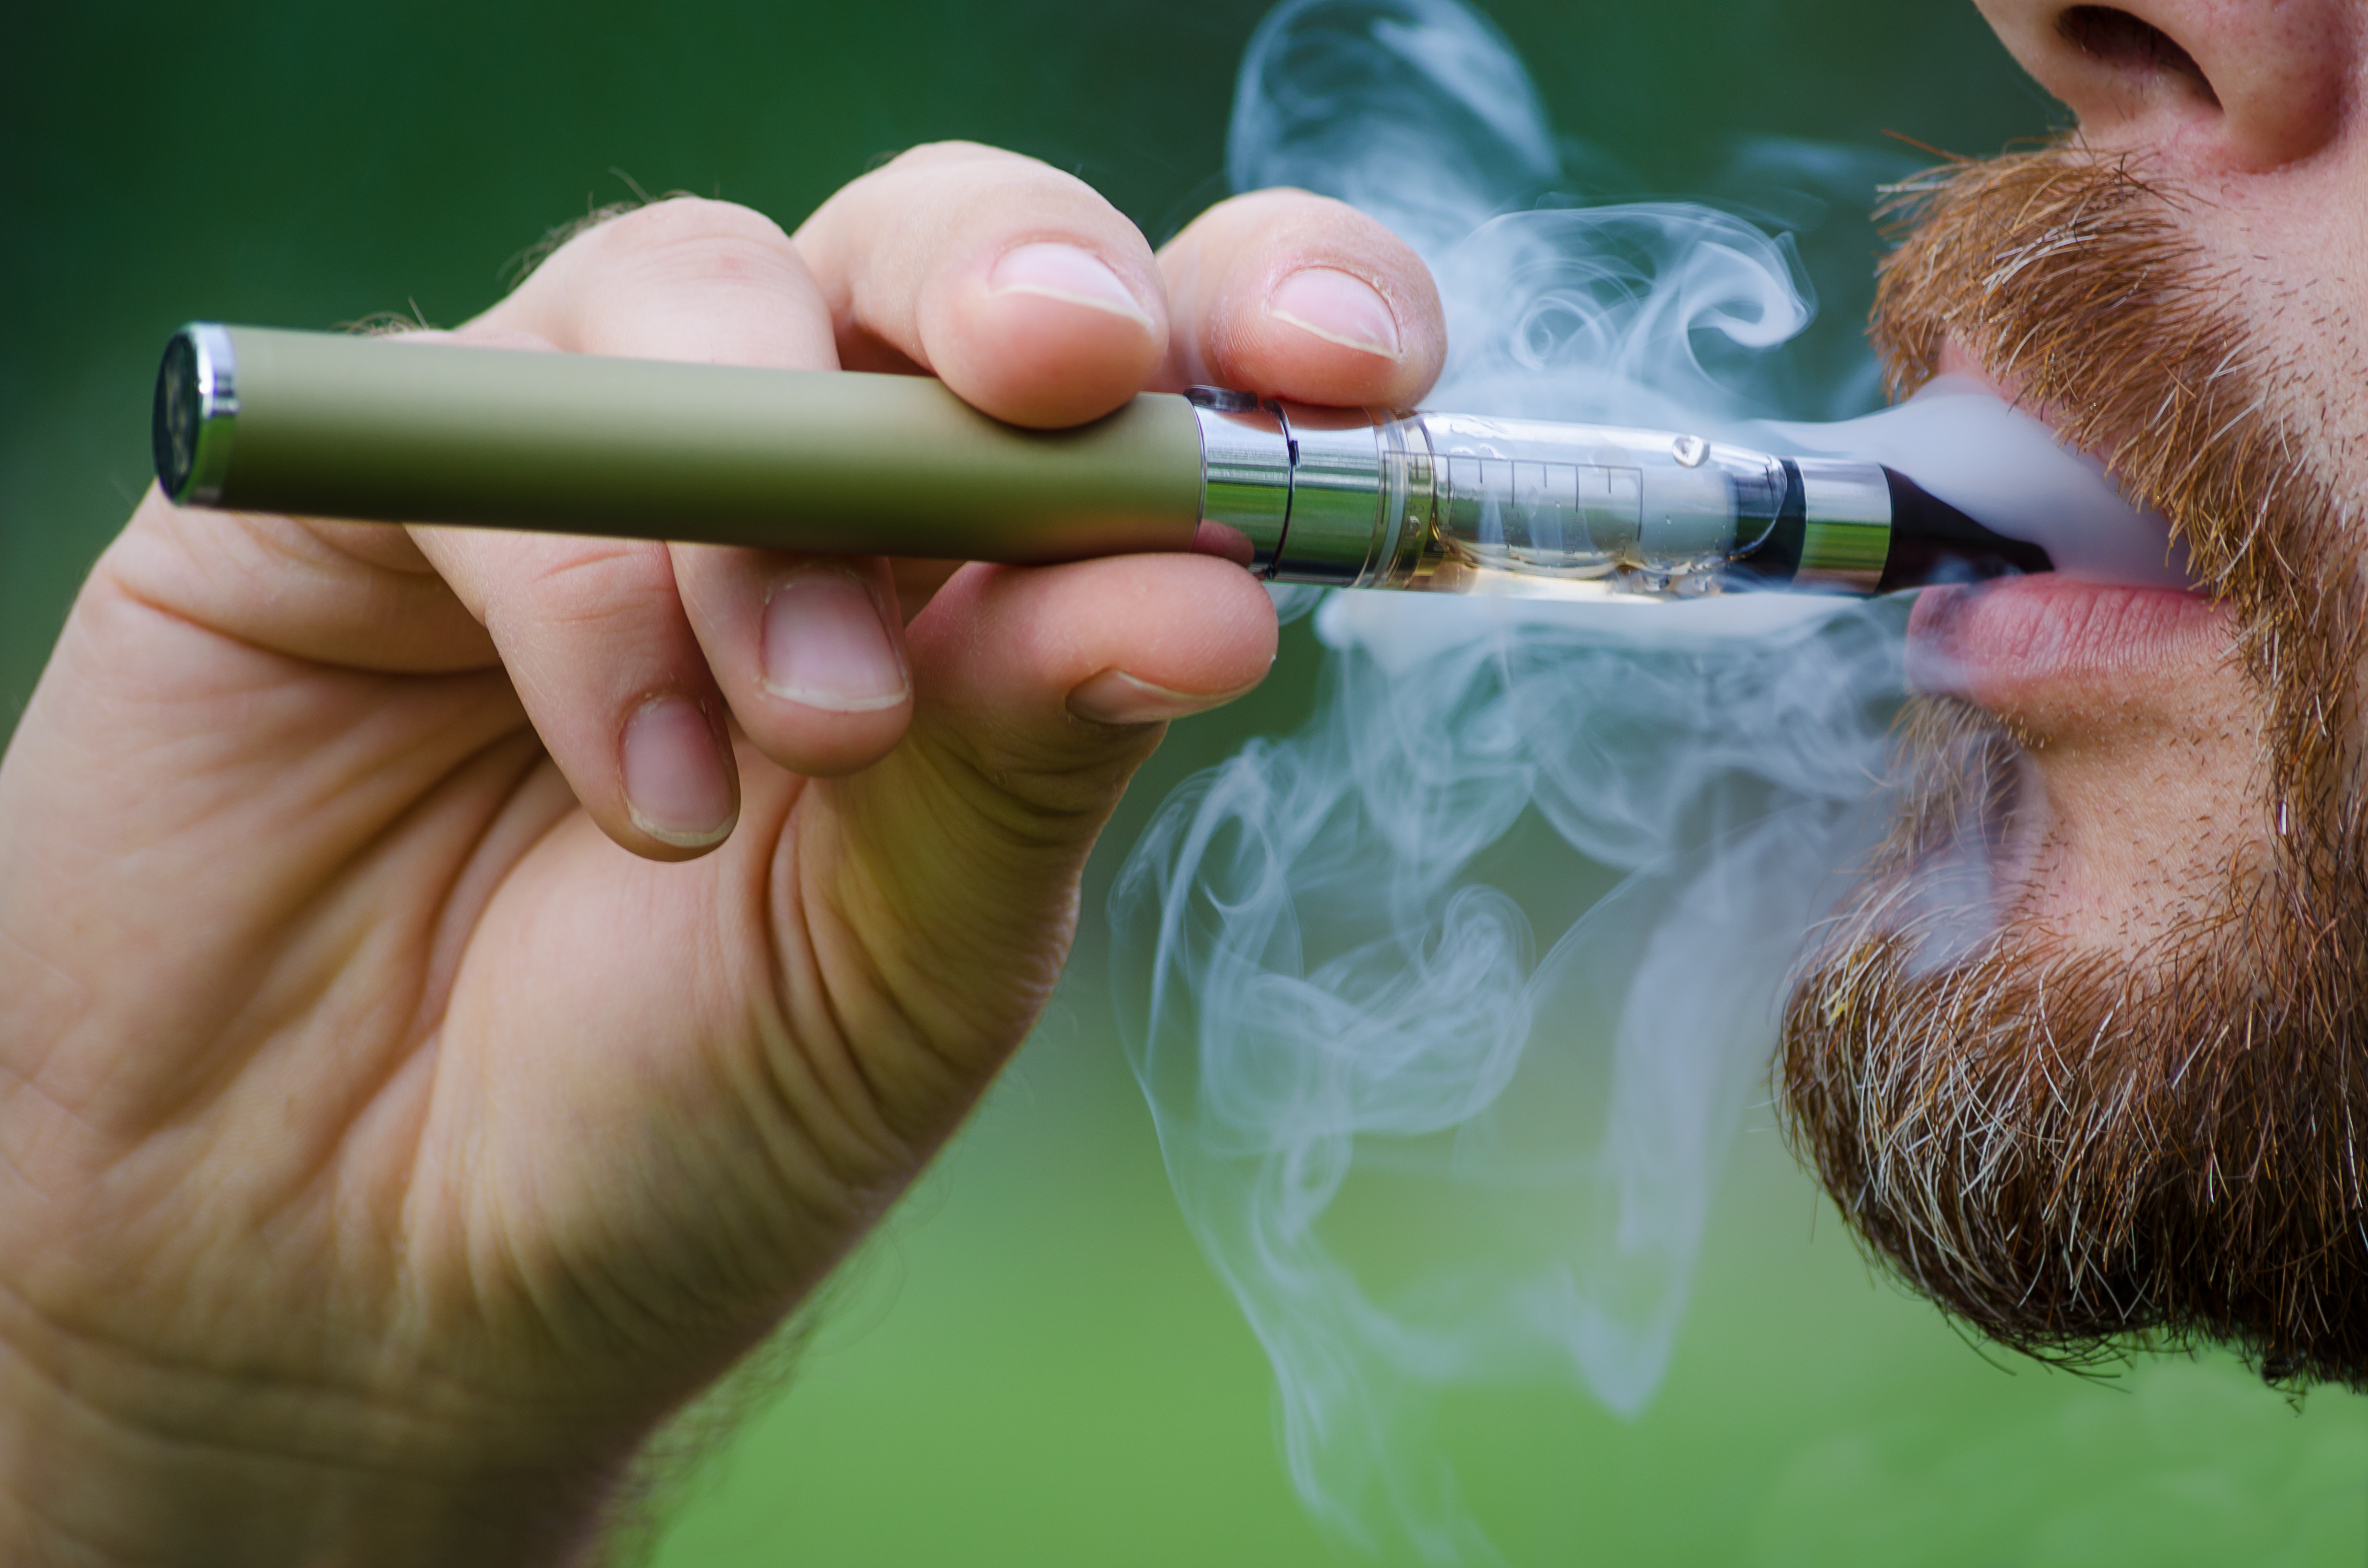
2136,1107
458,992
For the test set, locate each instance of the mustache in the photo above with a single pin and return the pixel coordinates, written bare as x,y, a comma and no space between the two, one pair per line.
2077,282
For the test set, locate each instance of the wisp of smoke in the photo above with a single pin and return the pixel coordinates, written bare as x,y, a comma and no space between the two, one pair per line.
1421,1155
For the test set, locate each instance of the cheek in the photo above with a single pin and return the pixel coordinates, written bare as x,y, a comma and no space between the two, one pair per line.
2292,254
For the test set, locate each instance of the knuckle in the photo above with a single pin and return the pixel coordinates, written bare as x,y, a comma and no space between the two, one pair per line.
692,239
1263,223
1340,224
591,586
681,217
932,155
969,185
952,149
1274,200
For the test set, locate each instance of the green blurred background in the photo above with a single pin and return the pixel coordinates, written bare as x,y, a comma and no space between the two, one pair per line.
1033,1365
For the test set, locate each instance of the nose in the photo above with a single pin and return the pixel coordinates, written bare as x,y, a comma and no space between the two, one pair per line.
2237,85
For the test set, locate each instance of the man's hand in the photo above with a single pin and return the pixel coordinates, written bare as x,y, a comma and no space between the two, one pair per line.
458,991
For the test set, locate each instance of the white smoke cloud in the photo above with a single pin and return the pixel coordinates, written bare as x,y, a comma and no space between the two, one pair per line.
1422,1156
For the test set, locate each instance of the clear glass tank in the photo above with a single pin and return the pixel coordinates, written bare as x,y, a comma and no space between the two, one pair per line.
1528,507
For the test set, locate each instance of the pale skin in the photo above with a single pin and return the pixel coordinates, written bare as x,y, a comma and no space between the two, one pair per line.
459,992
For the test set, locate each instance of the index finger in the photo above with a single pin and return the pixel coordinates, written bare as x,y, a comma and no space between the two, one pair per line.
1031,297
1301,297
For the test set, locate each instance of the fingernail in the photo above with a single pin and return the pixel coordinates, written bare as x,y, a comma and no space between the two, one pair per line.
1115,697
1064,272
675,787
1339,309
826,646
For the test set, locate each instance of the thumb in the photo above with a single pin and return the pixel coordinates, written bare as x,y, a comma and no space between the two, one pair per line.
1038,693
1056,674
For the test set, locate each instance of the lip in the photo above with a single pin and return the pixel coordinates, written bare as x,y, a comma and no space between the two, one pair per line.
2013,642
2008,644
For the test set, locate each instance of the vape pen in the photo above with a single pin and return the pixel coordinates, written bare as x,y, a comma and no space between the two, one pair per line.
320,424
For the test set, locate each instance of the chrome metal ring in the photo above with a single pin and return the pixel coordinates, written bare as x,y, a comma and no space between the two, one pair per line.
196,419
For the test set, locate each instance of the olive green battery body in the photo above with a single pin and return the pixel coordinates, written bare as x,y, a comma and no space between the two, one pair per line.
383,429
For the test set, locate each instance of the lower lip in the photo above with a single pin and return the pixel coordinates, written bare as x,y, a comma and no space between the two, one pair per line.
1997,643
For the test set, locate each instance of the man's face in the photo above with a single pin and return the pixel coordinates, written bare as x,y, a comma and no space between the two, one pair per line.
2126,1090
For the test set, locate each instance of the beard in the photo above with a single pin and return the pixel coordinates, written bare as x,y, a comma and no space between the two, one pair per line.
2081,1150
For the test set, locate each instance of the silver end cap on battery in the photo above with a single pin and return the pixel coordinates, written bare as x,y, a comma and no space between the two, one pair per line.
196,417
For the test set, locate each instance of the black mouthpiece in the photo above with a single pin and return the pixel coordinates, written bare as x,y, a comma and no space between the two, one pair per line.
1932,542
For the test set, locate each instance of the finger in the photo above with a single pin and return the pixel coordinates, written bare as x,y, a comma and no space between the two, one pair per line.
1039,665
1040,690
683,278
615,646
1028,294
598,644
1301,297
593,631
808,650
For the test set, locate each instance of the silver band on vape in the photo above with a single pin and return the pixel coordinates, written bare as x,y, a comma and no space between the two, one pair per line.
1322,495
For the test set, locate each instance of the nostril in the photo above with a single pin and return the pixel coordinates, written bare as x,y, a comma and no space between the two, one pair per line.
2124,42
